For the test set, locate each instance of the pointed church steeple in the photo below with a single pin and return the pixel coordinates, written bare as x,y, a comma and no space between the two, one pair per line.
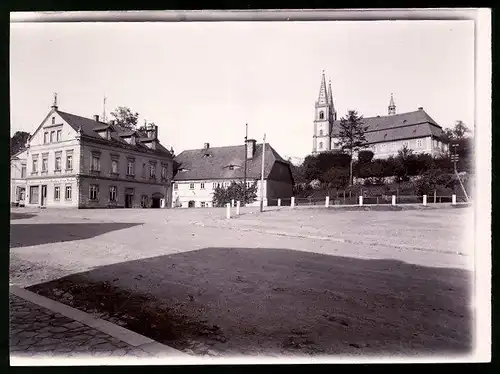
330,101
323,93
392,106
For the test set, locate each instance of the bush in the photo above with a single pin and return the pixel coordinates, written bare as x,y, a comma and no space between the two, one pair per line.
235,191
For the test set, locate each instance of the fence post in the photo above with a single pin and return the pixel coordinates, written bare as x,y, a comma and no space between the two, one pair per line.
238,208
453,199
292,203
279,202
424,200
327,201
361,200
228,211
232,203
435,195
393,199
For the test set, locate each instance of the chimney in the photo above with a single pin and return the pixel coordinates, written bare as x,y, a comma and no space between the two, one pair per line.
206,146
96,117
420,108
250,148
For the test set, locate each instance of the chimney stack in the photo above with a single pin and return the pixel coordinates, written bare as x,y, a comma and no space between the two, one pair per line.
206,146
250,148
96,117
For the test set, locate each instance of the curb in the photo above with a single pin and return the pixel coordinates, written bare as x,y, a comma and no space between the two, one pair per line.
136,340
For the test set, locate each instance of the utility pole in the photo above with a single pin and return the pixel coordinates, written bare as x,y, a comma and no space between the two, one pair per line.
245,172
262,175
454,158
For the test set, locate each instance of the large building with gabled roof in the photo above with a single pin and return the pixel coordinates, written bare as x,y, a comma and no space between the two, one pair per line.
78,162
200,171
385,135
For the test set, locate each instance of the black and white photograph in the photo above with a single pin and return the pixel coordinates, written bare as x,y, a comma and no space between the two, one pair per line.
193,187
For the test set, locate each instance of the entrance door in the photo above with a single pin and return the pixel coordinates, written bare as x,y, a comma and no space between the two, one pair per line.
43,197
129,201
155,202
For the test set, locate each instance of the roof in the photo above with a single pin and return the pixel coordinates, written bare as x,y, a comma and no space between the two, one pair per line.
197,166
89,127
398,126
15,156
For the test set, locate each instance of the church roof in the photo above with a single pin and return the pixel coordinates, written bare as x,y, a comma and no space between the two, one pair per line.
89,126
194,164
401,126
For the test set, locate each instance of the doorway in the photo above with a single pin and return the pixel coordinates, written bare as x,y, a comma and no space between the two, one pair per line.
191,204
129,200
155,202
43,197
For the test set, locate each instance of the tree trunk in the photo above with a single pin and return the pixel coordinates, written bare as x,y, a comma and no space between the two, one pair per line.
350,171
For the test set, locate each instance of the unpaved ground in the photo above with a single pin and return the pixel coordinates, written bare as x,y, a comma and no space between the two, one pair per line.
200,283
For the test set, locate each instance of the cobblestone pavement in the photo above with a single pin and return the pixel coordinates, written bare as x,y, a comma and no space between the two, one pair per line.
36,331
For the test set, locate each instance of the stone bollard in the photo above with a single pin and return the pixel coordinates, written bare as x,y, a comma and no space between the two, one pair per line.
238,208
361,200
393,199
228,211
279,202
292,203
453,199
327,201
424,200
232,203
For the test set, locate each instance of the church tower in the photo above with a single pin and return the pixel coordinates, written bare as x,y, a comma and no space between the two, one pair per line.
392,106
324,115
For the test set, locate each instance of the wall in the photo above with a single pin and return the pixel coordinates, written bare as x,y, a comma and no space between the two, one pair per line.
16,179
51,183
387,149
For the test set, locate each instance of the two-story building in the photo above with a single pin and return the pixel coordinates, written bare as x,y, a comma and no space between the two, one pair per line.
18,178
73,161
200,171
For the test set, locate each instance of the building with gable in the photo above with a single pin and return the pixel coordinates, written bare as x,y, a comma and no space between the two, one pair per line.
385,134
77,162
200,171
18,178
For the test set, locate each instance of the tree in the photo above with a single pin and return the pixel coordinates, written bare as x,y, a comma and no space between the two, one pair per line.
124,117
432,179
458,132
337,177
403,162
365,156
352,136
18,141
235,191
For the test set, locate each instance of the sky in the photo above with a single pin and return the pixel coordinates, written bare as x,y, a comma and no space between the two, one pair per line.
201,82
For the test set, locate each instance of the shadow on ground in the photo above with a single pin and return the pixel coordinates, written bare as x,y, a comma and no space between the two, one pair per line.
23,235
279,301
14,215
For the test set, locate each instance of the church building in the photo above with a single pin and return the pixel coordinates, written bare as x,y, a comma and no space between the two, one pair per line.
385,135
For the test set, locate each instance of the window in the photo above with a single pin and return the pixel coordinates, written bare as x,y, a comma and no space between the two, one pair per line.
320,132
94,192
249,184
67,195
203,204
35,165
176,186
202,186
144,201
45,137
53,120
152,171
214,186
45,164
58,163
69,162
52,133
164,172
23,171
57,193
34,195
320,145
144,170
58,136
130,167
96,163
112,193
406,144
114,166
191,186
419,143
321,115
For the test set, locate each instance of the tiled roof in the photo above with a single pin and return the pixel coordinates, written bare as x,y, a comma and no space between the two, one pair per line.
197,166
399,126
88,127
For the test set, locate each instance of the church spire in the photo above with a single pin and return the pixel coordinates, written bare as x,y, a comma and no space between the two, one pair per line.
392,106
323,93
